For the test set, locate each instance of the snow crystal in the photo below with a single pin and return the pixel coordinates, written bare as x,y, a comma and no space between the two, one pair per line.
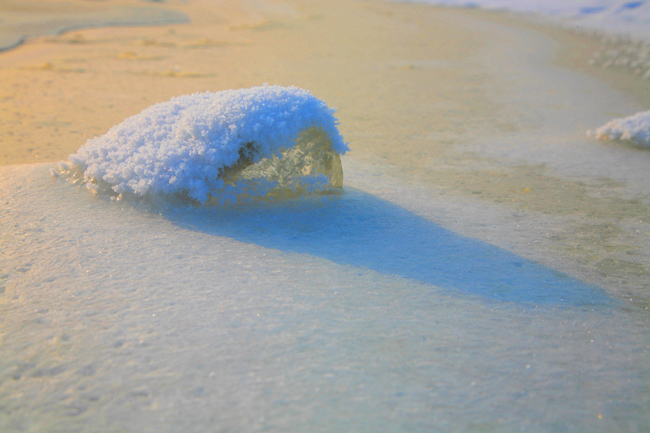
216,147
635,128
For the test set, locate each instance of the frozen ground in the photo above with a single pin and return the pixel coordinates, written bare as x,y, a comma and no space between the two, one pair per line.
499,287
321,315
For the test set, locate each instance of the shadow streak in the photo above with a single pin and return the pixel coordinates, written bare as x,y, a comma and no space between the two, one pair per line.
359,229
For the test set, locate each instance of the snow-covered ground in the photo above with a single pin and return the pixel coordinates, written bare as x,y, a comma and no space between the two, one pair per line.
308,315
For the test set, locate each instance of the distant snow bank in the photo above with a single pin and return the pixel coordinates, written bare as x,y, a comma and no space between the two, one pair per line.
631,18
635,128
196,145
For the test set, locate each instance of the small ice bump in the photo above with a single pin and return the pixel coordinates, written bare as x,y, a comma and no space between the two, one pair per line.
217,148
634,128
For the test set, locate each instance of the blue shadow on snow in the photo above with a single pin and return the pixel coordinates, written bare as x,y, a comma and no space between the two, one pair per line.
359,229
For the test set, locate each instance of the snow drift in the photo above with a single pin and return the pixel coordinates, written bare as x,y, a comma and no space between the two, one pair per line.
217,148
634,128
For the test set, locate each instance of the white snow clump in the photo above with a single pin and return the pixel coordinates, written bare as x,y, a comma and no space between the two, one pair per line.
635,128
222,147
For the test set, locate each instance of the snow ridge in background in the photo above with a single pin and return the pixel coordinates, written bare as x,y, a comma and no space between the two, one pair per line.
631,18
183,146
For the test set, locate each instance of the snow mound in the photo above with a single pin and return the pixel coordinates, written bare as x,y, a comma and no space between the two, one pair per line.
635,128
217,148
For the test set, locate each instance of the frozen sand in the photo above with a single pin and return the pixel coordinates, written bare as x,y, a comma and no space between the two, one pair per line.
486,138
304,316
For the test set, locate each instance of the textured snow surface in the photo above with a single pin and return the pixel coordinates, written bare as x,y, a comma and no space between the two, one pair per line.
635,128
184,145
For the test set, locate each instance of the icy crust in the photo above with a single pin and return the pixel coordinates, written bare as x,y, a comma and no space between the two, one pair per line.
222,147
635,128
